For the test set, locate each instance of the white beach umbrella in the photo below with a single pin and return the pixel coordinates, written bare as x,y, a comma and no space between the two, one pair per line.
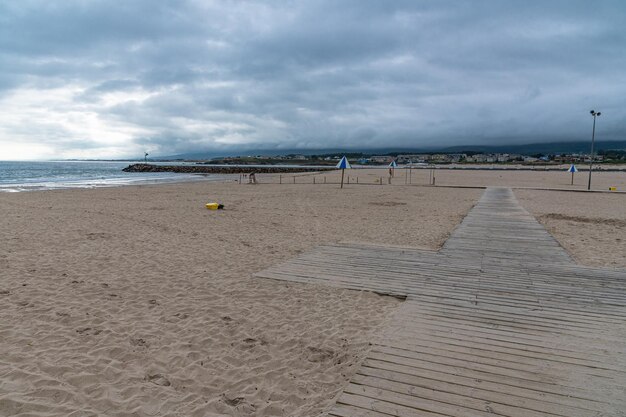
342,165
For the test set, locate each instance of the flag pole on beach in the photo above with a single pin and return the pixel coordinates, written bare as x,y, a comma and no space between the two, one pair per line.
342,165
572,169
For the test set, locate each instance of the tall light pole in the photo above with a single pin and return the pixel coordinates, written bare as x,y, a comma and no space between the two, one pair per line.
593,138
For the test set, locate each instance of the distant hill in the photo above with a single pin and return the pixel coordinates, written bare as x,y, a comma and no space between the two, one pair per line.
527,149
246,152
542,148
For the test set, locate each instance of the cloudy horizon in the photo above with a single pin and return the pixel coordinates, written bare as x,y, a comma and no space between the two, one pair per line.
98,79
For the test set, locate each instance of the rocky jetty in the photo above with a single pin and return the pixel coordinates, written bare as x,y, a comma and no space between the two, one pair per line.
211,169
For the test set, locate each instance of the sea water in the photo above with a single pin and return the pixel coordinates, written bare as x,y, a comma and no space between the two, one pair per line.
27,176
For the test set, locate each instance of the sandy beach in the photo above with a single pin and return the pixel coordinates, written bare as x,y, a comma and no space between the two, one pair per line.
137,301
591,227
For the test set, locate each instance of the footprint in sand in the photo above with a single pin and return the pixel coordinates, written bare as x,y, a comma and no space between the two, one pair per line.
240,404
88,331
139,342
251,342
233,402
315,354
158,379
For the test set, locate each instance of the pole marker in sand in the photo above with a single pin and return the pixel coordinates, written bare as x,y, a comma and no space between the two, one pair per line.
573,170
342,165
392,170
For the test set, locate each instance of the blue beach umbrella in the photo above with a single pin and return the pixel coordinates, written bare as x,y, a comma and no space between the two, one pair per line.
572,169
342,165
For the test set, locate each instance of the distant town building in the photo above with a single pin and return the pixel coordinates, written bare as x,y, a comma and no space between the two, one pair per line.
456,157
494,158
381,158
411,158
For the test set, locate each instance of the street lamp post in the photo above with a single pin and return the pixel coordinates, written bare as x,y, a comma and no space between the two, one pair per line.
593,138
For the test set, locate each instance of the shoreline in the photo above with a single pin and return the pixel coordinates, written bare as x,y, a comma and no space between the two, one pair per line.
91,184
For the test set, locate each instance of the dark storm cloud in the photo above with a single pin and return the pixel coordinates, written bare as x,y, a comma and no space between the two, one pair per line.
175,76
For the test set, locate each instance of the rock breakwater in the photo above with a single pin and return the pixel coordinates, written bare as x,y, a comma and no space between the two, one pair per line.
212,169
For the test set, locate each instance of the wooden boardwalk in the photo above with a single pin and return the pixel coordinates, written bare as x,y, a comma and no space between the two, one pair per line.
501,321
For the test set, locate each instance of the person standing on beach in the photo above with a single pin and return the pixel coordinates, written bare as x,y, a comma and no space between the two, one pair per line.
252,178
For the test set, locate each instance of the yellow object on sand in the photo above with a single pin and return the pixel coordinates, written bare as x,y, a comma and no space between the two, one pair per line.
612,188
214,206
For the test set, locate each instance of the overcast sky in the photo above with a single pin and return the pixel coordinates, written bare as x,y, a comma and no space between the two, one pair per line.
87,78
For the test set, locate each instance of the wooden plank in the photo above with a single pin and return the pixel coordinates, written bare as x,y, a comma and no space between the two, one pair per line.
415,402
522,404
476,384
378,405
452,396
